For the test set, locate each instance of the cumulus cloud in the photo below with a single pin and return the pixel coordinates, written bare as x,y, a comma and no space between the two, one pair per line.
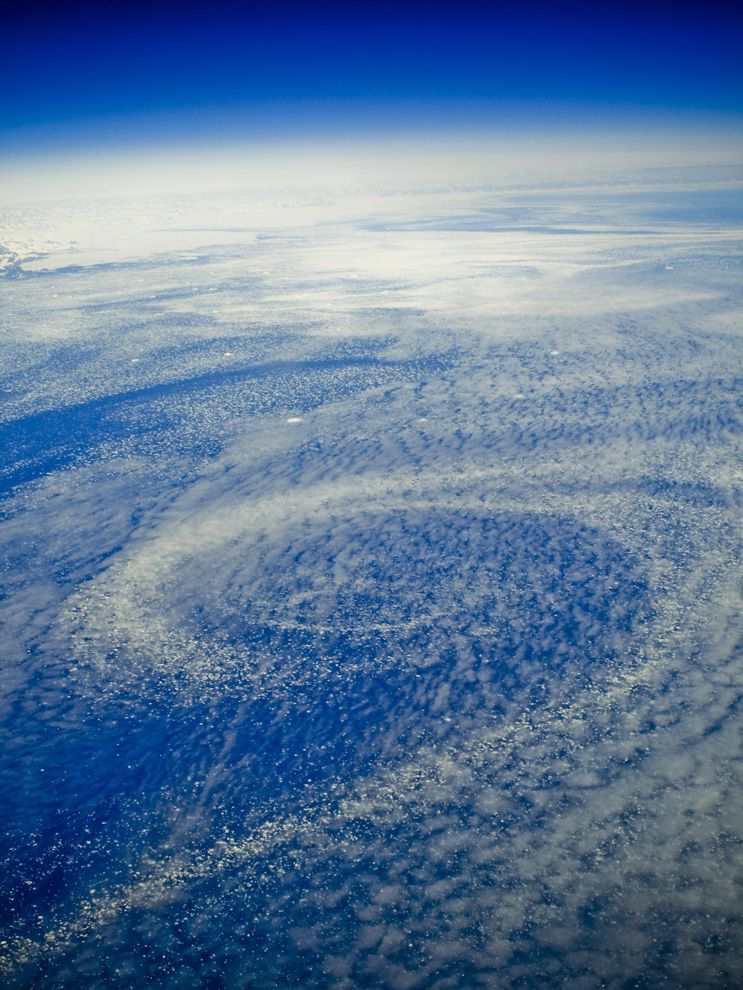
372,595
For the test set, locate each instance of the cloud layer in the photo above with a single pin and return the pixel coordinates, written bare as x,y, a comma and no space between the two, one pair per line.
372,589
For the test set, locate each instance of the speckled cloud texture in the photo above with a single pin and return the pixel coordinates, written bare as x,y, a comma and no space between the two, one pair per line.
372,588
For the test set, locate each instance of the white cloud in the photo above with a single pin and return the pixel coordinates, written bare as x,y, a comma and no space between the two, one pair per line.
452,666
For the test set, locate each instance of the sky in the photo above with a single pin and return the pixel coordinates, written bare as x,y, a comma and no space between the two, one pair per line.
148,75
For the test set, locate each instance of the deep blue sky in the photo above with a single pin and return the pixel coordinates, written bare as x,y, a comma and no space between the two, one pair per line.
149,72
